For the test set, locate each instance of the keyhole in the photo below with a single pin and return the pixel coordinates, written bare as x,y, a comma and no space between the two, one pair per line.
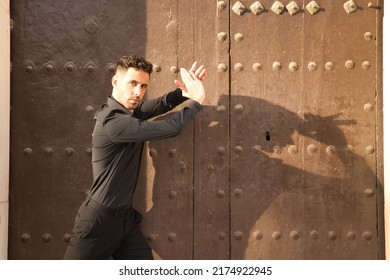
267,136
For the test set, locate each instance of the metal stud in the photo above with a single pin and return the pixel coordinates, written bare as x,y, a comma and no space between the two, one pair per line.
172,153
238,67
174,69
221,193
238,235
367,235
293,66
67,237
277,66
370,150
331,150
222,36
88,151
89,108
222,236
172,195
368,36
238,193
351,235
277,8
369,192
221,5
368,107
238,108
48,152
332,235
111,67
153,153
349,149
70,67
222,67
156,68
183,167
314,234
258,235
256,67
312,66
257,8
276,235
172,237
69,152
292,8
350,64
238,149
49,67
329,66
313,7
46,238
366,65
90,67
277,150
256,149
239,8
221,109
312,149
25,237
239,37
151,237
294,235
29,68
292,150
221,151
350,6
27,151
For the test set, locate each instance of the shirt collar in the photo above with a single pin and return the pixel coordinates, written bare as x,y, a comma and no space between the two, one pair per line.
114,104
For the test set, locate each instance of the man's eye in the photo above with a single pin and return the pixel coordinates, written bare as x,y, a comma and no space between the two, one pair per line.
134,83
144,86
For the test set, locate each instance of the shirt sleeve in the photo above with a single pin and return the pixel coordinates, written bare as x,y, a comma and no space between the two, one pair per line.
154,107
122,128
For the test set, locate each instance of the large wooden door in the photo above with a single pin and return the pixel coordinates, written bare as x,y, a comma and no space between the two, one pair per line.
284,161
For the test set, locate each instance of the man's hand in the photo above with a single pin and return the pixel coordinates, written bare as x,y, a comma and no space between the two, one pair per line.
192,86
199,72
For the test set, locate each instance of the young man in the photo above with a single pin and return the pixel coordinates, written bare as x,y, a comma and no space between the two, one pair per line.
106,225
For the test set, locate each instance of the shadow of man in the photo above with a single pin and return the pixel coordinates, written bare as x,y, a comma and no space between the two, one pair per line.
297,189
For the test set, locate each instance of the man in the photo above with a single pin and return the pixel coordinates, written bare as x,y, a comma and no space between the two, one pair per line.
106,225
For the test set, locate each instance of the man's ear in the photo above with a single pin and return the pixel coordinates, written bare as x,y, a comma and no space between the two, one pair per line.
114,81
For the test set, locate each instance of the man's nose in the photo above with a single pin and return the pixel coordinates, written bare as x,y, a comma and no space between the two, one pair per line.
137,90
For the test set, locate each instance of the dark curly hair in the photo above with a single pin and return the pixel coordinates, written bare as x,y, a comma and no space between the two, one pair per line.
134,61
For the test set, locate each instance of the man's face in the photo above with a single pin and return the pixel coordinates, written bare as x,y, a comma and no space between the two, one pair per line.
130,87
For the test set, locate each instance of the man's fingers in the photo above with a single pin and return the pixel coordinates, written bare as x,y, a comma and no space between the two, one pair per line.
193,67
199,70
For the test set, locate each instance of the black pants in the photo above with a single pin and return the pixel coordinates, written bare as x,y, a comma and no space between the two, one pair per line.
100,233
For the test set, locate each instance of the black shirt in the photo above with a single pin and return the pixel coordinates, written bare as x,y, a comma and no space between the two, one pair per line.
117,143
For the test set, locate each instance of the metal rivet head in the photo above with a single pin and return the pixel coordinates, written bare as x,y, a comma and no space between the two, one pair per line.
256,149
27,151
172,153
332,235
367,235
221,193
351,235
238,108
350,64
222,67
221,5
331,150
69,152
239,37
174,69
257,8
89,108
368,36
294,235
277,150
276,235
329,66
238,235
238,149
370,150
70,67
366,65
292,8
314,234
258,235
239,8
313,7
293,66
312,149
172,237
172,195
25,238
369,192
88,151
350,7
66,238
222,236
48,152
221,151
276,65
293,150
49,67
221,109
46,238
111,67
256,67
152,152
349,149
277,7
238,193
312,66
222,36
368,107
151,237
183,167
156,68
238,67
